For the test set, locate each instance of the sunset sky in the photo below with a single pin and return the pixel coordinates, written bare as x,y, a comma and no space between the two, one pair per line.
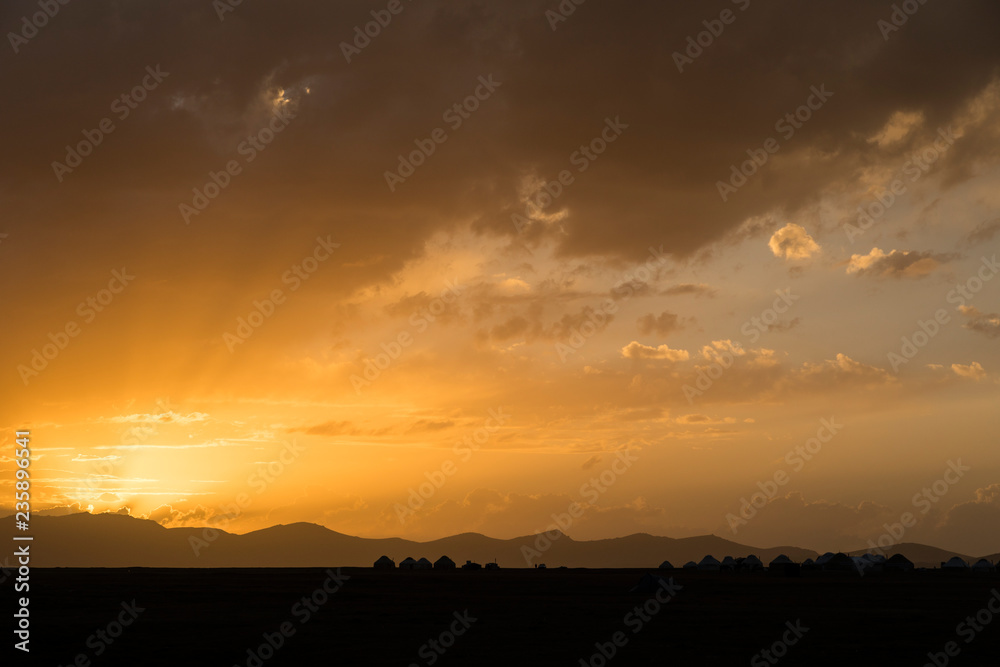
243,290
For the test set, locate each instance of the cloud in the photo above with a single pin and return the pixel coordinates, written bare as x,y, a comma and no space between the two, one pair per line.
636,350
793,242
899,126
328,428
896,264
988,325
662,324
974,526
168,417
985,231
171,517
973,371
820,525
699,289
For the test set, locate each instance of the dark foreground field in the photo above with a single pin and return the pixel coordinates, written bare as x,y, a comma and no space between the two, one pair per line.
521,617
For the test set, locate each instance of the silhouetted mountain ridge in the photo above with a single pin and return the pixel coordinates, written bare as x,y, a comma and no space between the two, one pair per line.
114,540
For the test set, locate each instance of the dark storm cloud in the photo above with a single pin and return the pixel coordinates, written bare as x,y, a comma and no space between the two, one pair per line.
555,92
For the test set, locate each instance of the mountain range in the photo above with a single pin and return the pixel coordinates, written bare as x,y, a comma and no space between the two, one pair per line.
115,540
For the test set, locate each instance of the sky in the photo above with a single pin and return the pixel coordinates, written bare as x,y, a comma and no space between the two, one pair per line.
671,268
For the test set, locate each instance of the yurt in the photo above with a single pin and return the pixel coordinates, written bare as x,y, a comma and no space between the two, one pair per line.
444,563
423,564
983,565
899,563
408,564
709,564
384,563
954,564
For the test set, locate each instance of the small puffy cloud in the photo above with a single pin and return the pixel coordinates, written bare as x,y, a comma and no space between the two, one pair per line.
844,371
973,371
899,126
662,324
716,351
793,242
896,264
636,350
988,325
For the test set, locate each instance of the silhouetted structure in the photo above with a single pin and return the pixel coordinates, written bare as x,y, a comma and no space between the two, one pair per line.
983,565
782,565
444,563
955,564
384,563
665,565
423,564
899,563
469,565
408,564
709,564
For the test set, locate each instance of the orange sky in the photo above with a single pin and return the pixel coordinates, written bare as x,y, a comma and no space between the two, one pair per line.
229,303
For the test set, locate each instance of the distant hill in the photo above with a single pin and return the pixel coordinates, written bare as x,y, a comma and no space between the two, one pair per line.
114,540
920,555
